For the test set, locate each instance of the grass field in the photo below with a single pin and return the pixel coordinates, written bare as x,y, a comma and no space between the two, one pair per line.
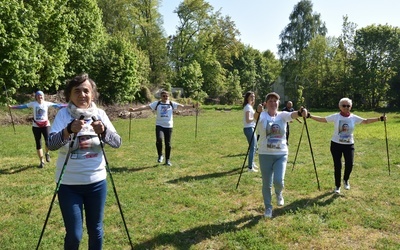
195,204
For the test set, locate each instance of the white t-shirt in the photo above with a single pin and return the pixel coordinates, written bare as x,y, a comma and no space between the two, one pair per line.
249,108
272,131
40,111
343,127
164,113
86,163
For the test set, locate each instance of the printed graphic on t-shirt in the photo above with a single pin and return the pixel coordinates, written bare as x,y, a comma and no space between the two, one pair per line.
164,110
39,113
275,133
87,144
345,131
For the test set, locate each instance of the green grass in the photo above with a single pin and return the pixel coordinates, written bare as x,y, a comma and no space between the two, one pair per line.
195,204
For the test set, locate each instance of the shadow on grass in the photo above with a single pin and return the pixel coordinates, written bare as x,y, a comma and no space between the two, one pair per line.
17,169
203,177
186,239
130,169
302,203
237,155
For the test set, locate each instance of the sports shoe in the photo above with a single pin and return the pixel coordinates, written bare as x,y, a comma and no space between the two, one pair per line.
160,158
41,164
47,157
168,163
337,190
253,170
254,166
346,185
268,213
279,200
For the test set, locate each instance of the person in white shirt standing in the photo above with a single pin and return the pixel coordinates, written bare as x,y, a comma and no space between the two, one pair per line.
249,124
342,142
40,123
82,185
164,109
273,149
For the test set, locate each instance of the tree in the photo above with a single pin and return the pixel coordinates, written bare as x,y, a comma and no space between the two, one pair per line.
303,27
86,33
117,72
19,49
377,51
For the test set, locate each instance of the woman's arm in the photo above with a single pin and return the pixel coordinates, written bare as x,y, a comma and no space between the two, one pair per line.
371,120
317,118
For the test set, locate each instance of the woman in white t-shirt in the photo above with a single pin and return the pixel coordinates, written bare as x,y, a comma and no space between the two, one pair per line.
164,109
272,148
83,184
249,124
40,123
342,142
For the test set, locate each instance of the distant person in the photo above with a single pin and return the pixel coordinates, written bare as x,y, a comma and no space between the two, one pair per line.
83,187
40,123
342,142
289,108
249,123
164,123
273,150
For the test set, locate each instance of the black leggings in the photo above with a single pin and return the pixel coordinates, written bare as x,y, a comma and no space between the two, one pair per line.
167,132
37,133
337,150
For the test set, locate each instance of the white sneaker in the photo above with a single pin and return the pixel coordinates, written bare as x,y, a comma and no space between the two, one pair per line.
337,190
268,213
346,185
254,166
279,200
252,170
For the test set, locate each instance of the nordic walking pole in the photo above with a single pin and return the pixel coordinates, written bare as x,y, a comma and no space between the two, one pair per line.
387,145
9,109
312,154
113,185
298,146
197,114
248,150
130,122
58,186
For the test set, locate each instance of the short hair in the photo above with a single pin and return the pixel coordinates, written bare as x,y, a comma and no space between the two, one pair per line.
78,80
345,99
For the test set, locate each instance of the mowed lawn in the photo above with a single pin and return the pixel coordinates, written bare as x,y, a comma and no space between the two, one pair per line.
195,204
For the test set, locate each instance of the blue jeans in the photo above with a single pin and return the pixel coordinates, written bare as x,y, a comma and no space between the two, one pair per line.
72,199
273,168
249,133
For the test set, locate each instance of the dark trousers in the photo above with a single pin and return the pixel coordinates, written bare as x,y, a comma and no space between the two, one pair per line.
37,133
167,134
337,150
73,199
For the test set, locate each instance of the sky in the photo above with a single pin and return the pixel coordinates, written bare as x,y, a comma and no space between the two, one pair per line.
260,22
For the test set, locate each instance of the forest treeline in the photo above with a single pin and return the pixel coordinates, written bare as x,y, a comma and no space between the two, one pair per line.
122,45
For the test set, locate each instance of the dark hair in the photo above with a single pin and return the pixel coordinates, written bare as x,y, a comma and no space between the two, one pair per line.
246,96
78,80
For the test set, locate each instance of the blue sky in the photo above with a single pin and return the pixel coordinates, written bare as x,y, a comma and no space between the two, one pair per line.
260,22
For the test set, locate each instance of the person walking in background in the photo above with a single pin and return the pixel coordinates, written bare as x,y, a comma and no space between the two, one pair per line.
342,142
40,123
249,124
83,184
164,109
289,108
273,150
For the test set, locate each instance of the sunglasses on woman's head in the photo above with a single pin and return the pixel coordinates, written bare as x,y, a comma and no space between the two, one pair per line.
346,106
